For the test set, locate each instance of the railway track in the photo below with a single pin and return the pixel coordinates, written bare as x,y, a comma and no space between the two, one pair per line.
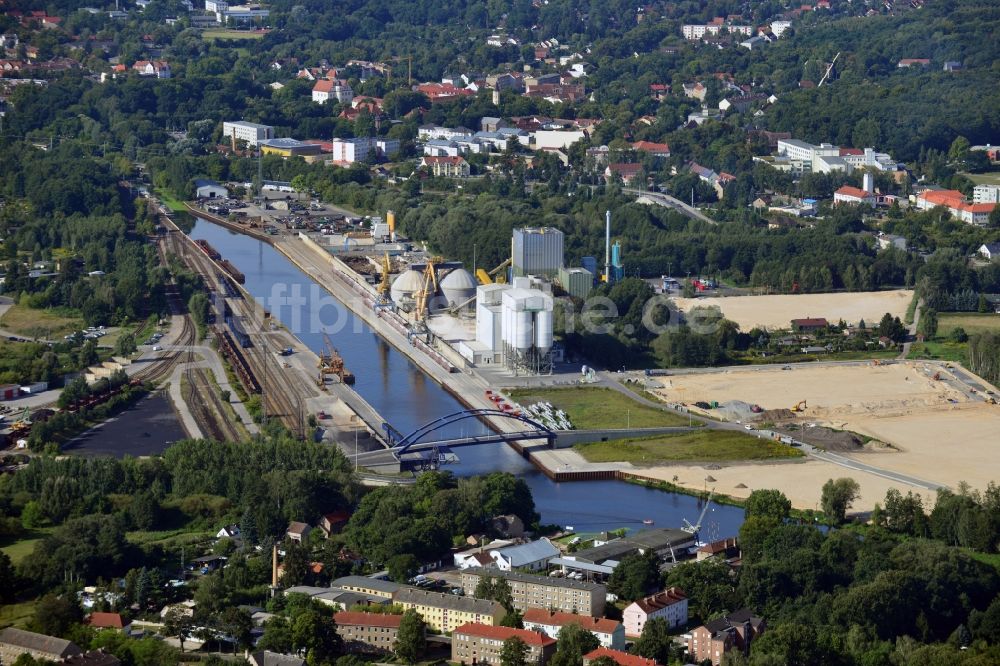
207,407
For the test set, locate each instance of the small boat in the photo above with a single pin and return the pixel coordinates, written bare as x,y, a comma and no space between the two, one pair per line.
647,521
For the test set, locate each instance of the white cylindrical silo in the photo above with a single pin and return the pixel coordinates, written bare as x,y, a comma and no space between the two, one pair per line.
543,330
524,334
506,323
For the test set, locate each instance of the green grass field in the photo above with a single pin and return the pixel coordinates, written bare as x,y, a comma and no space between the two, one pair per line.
226,35
17,614
942,348
988,178
706,445
46,324
171,202
22,548
593,408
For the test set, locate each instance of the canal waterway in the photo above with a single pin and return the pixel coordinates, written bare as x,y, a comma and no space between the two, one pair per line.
403,394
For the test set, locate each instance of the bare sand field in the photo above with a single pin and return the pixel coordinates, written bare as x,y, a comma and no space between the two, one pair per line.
942,432
802,483
777,311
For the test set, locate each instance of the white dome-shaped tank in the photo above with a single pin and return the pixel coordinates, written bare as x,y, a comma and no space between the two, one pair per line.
458,286
405,286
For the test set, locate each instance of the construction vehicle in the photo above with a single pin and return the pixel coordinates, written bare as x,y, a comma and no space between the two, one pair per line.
800,407
936,377
23,421
497,275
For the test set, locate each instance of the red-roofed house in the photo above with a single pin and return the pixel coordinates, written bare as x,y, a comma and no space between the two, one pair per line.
954,201
670,604
619,657
627,172
370,633
325,90
107,621
913,62
809,324
481,644
659,91
610,633
853,195
654,149
447,167
332,522
442,92
51,22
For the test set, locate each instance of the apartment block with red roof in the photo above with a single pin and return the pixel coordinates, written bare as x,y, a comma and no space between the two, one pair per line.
654,149
368,633
447,167
610,633
954,201
481,644
619,657
670,604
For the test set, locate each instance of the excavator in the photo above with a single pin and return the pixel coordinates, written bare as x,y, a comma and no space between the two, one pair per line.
497,275
800,407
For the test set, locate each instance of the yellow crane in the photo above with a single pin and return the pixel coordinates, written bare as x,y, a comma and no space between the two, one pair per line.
428,290
497,275
800,407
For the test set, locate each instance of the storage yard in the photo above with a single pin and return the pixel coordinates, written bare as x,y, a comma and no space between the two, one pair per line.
776,312
938,429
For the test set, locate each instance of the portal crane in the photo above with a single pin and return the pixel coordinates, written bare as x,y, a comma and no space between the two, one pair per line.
383,300
428,290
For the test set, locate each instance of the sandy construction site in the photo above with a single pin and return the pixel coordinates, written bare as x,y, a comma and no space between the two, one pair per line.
938,429
773,312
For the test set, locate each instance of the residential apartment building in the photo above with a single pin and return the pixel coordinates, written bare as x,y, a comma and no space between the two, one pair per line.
670,604
853,195
714,639
444,613
619,657
447,167
375,587
529,591
610,633
251,133
348,151
368,633
481,644
982,194
971,213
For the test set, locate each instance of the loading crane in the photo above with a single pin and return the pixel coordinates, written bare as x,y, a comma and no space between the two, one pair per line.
693,529
428,290
332,363
383,300
497,275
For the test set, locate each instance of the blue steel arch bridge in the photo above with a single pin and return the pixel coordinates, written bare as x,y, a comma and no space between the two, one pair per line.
424,449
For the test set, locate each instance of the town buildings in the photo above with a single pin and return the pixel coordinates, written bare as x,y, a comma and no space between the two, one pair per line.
530,591
368,633
345,152
610,633
855,196
534,555
251,133
735,631
982,194
443,613
670,604
15,642
481,644
325,90
447,166
617,656
973,213
375,587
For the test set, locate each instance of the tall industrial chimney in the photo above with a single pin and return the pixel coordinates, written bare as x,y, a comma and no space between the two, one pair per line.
607,246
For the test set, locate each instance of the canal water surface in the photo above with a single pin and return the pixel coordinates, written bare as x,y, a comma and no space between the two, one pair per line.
407,398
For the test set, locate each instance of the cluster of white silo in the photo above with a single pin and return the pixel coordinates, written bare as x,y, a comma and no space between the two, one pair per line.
457,287
514,325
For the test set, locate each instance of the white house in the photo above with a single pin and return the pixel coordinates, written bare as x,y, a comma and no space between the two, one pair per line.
252,133
209,189
670,604
610,633
534,555
990,251
228,532
329,89
986,194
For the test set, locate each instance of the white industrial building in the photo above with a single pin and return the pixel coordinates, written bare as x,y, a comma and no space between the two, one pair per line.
209,189
252,133
514,327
